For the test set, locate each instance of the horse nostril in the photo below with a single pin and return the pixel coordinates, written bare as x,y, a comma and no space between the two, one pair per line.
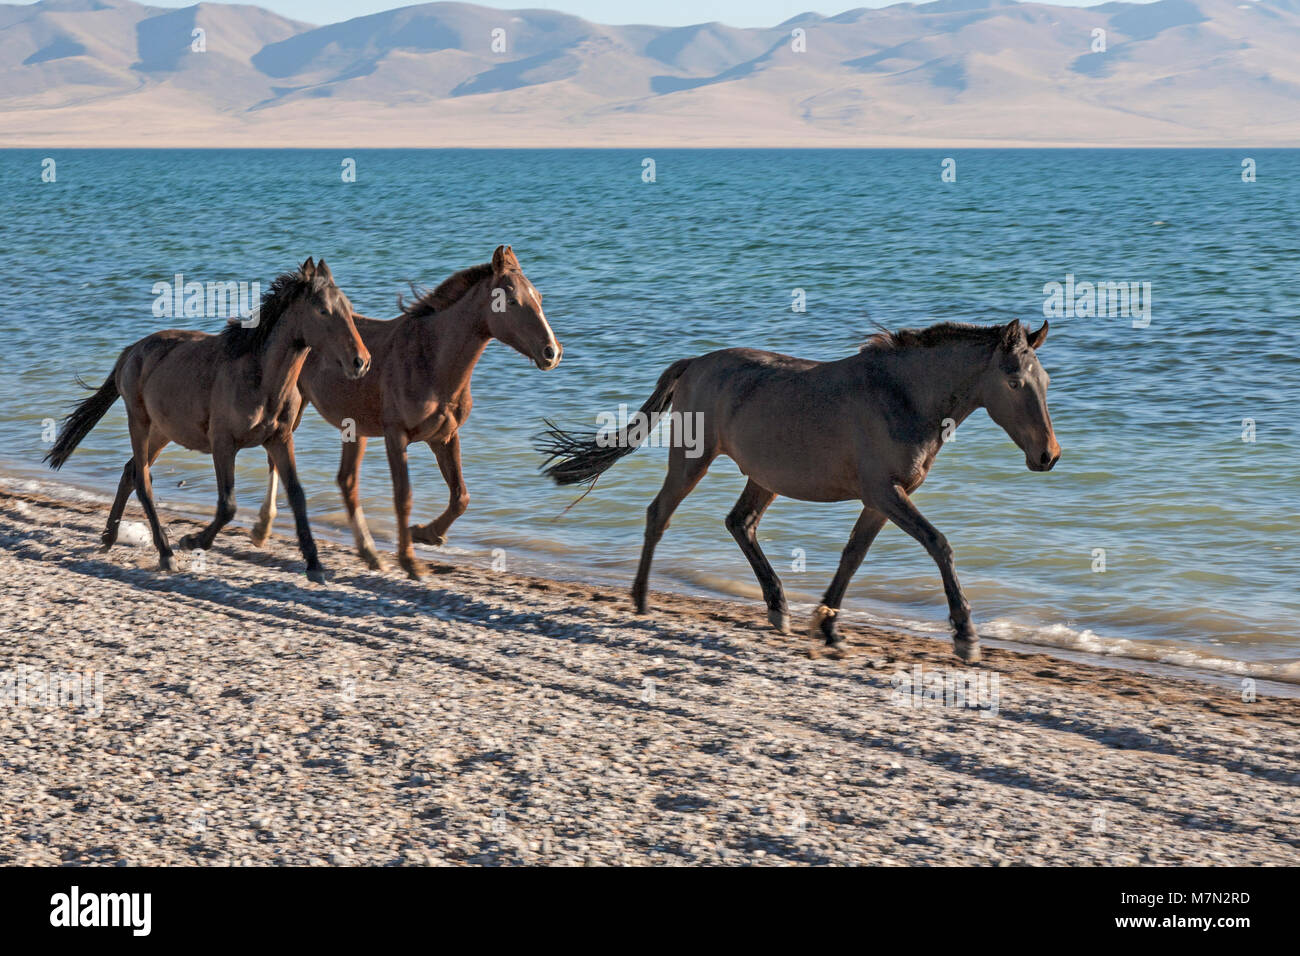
549,353
1046,459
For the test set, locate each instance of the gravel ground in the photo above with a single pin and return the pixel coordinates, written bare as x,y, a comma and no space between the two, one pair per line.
249,717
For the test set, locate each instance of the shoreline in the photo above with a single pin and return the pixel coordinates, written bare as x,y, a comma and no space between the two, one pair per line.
854,144
1178,660
493,717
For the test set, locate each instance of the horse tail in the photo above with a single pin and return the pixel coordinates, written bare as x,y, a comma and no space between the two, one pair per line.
82,419
573,458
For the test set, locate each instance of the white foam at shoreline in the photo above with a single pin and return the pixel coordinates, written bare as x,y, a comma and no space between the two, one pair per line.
1164,653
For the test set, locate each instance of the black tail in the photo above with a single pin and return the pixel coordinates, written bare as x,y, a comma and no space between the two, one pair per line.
572,458
83,418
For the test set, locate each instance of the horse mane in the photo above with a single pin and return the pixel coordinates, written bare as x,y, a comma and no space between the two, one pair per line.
448,292
1009,336
287,288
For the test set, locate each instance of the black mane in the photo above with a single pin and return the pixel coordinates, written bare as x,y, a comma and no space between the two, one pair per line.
448,292
287,288
1008,337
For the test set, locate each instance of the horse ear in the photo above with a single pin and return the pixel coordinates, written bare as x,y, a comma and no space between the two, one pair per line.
308,268
503,260
1012,335
1036,338
323,270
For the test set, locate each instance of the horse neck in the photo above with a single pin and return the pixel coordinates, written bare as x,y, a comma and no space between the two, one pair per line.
453,339
942,381
281,360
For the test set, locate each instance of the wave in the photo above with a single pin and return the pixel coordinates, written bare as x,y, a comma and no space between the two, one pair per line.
545,556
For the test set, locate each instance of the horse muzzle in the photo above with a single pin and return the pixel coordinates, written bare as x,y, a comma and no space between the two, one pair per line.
549,357
1047,460
359,366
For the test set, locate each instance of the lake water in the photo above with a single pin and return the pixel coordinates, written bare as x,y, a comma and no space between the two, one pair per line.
1198,525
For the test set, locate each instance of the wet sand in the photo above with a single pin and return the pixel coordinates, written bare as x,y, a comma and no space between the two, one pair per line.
236,713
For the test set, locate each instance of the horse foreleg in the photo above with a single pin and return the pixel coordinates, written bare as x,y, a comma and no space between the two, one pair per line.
395,442
826,617
281,455
349,480
742,522
223,463
898,507
266,516
683,475
448,455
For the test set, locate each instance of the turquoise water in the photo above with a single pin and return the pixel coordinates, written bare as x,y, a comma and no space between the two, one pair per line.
1199,527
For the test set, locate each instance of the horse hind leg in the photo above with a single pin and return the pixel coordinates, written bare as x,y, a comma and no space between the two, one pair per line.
145,448
124,488
266,516
742,522
223,462
683,475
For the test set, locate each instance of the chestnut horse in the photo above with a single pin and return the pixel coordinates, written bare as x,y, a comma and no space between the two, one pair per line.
419,390
220,393
866,427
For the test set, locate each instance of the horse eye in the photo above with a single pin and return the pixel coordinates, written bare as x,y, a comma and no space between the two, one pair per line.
1015,383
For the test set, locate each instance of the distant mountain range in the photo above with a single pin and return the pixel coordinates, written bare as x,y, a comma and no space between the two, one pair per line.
951,72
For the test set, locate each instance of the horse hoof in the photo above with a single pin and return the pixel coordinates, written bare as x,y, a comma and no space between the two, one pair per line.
372,560
167,563
259,535
967,650
411,567
316,575
424,535
188,543
106,544
779,620
823,625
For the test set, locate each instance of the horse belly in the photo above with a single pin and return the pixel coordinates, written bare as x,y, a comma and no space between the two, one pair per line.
799,481
805,467
440,432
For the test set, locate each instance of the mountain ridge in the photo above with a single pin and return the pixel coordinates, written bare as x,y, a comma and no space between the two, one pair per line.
964,72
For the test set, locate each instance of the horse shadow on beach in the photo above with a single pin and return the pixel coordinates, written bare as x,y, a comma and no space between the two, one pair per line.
371,623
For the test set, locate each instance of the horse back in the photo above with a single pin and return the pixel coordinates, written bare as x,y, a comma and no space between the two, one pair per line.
186,351
801,428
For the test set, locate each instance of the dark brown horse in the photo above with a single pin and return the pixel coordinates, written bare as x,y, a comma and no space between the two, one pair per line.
867,427
220,393
419,390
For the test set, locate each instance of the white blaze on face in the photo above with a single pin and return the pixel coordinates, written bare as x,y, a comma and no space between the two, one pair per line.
536,297
531,292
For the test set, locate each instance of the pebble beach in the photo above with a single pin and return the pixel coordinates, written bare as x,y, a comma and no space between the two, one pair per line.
233,713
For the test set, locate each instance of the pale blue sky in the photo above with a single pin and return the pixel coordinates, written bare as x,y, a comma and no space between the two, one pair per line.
739,13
